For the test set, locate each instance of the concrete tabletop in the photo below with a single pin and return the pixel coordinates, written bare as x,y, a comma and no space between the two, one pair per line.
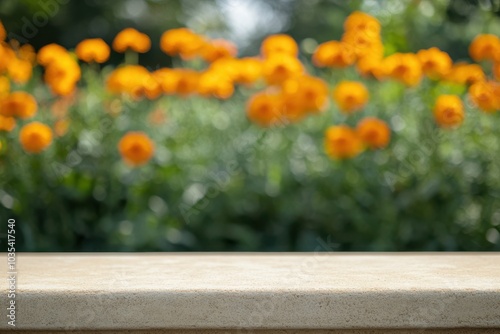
71,291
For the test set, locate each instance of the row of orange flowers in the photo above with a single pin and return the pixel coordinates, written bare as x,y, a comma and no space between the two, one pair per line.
290,92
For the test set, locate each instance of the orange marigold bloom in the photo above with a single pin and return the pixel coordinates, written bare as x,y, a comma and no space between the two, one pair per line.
27,52
18,104
136,148
463,73
4,87
20,70
131,39
371,66
93,50
374,132
350,96
359,21
307,93
485,47
436,64
247,71
7,123
449,111
279,44
3,33
7,55
342,142
363,43
265,109
35,137
213,83
496,71
183,42
404,67
334,54
485,95
279,67
134,80
62,75
217,49
50,53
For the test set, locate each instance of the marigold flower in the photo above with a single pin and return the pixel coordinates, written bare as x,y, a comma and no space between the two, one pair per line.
183,42
217,49
27,52
279,44
50,53
436,64
20,71
248,71
309,94
134,80
496,71
35,137
374,132
342,142
485,95
3,33
463,73
62,75
93,50
136,148
213,83
485,47
359,21
7,55
404,67
4,86
334,54
449,111
350,96
363,43
278,68
18,104
265,109
7,123
131,39
371,66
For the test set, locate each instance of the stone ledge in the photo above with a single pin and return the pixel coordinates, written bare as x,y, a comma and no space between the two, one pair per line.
231,293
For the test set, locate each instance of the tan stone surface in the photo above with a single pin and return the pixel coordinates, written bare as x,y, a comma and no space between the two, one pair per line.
274,291
275,331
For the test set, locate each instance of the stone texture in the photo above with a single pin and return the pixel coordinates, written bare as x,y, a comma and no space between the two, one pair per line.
423,292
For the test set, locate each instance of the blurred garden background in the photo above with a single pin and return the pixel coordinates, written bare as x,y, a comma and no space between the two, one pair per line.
219,182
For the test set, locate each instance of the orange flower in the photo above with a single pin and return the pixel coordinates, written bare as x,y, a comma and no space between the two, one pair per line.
136,148
3,33
485,47
496,71
27,52
309,94
133,80
279,44
50,53
435,63
404,67
350,96
248,71
183,42
342,142
363,43
7,123
213,83
449,111
131,39
217,49
62,75
334,54
265,109
7,55
4,87
358,21
93,50
371,66
280,67
61,127
374,132
20,70
463,73
18,104
35,137
485,95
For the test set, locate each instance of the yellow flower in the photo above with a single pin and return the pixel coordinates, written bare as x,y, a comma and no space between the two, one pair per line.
404,67
50,53
136,148
35,137
436,64
350,96
342,142
279,44
449,111
247,71
93,50
334,54
374,132
18,104
485,95
131,39
485,47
